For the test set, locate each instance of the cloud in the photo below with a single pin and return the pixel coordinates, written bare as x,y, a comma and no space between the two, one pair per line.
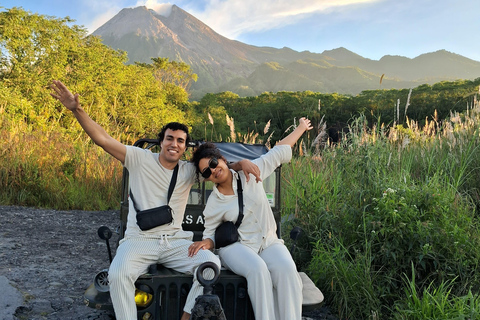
234,17
101,19
231,18
163,9
109,8
91,8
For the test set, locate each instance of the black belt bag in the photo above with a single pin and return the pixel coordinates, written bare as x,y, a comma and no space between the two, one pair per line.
227,232
151,218
154,217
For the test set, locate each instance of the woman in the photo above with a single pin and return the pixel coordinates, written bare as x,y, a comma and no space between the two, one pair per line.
274,286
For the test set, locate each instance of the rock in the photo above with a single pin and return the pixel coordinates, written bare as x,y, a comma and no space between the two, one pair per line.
56,284
68,300
10,299
42,306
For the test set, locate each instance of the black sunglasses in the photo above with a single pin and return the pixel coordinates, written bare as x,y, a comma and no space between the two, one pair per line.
212,164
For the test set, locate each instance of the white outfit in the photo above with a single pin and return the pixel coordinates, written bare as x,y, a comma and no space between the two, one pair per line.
167,244
274,285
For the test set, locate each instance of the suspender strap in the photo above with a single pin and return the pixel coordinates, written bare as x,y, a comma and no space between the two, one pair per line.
173,182
240,202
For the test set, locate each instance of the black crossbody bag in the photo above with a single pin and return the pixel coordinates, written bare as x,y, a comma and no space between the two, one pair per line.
227,232
154,217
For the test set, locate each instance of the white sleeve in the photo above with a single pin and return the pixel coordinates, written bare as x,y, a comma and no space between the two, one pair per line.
213,214
268,162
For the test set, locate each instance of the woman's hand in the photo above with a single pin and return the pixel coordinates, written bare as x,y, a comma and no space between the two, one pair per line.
206,244
305,124
249,167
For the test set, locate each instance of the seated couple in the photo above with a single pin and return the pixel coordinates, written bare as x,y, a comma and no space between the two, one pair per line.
274,286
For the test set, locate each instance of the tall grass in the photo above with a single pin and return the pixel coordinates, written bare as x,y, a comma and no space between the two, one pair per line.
44,168
435,302
384,200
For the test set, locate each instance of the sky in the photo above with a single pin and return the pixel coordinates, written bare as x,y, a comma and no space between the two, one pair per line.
370,28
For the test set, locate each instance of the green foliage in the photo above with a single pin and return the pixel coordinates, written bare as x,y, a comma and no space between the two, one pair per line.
352,284
433,231
39,170
173,77
388,203
130,102
390,107
436,303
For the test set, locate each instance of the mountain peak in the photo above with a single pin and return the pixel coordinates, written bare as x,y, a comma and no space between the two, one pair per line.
341,54
227,65
164,9
140,21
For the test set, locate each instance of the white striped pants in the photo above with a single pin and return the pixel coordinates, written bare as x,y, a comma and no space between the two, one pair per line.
135,255
274,285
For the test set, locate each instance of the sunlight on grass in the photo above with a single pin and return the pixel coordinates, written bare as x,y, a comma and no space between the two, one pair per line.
382,205
45,169
383,200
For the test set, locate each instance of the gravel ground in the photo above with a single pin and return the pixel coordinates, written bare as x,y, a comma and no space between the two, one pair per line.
50,257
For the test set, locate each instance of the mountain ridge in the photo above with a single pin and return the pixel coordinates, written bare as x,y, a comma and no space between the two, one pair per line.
223,64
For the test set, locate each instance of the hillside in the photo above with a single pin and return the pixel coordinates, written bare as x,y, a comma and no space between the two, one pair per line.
227,65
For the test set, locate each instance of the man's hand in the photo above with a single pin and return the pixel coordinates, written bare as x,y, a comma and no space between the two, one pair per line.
206,244
249,167
70,101
93,129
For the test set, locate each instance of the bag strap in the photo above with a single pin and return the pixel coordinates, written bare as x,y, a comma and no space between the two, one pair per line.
240,202
173,182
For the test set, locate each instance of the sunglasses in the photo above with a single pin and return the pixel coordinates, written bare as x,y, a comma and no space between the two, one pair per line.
212,164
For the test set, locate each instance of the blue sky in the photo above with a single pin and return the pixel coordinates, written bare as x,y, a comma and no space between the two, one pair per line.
370,28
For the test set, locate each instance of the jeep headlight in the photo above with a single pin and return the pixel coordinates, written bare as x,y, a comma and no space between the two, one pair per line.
142,298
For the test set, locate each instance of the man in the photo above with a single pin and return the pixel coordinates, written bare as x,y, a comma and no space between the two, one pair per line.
149,179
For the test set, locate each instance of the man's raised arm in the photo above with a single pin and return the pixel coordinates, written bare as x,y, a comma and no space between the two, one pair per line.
93,129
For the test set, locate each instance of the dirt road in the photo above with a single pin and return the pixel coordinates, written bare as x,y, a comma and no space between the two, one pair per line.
50,258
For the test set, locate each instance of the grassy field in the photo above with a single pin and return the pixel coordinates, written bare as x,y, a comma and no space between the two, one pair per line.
41,168
390,221
389,214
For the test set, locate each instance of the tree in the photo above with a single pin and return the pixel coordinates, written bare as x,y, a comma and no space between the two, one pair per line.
173,77
126,100
34,49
